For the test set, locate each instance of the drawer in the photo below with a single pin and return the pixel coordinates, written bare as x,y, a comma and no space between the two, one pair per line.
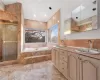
64,57
63,68
62,52
61,65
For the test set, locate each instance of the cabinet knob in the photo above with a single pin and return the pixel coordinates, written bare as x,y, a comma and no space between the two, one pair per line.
62,63
79,58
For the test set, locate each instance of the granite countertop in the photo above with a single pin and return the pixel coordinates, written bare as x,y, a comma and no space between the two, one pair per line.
73,50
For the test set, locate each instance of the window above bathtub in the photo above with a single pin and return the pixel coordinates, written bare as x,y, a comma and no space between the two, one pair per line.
35,35
53,34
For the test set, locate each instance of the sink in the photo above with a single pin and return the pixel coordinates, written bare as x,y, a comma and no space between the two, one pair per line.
62,46
87,51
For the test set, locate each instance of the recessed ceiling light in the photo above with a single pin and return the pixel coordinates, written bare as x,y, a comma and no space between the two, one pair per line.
45,15
39,0
58,21
34,15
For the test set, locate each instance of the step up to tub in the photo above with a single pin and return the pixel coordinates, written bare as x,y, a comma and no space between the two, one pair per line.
34,59
5,63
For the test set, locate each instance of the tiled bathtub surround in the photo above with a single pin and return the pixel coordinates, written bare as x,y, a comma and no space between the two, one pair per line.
38,71
35,56
34,45
83,43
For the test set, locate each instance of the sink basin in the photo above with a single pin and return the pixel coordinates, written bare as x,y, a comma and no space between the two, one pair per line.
61,46
87,51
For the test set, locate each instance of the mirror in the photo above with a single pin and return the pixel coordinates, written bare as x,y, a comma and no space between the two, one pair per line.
85,16
8,41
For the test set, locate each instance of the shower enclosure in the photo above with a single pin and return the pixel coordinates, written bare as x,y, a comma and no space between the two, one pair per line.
8,42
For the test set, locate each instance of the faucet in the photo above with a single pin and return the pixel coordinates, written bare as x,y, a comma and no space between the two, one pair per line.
63,42
90,45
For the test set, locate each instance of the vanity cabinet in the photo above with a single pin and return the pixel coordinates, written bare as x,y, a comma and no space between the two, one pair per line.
89,68
73,66
55,57
63,68
63,62
76,66
59,58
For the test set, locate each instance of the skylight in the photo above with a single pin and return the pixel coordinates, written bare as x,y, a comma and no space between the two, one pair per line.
78,9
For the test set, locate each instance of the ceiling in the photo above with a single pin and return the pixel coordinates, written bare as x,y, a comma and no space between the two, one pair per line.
39,9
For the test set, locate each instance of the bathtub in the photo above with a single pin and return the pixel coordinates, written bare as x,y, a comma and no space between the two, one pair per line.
35,49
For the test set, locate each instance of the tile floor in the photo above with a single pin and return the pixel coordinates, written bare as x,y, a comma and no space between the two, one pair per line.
36,71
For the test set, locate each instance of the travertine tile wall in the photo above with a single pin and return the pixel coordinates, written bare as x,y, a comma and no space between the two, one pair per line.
82,43
1,41
35,25
16,9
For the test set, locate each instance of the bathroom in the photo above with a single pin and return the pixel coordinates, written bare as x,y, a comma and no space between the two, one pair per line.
49,40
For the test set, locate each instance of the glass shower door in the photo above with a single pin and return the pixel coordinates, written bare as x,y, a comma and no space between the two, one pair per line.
9,42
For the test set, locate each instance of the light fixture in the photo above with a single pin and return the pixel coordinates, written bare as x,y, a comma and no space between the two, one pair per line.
67,32
58,21
34,15
39,0
45,15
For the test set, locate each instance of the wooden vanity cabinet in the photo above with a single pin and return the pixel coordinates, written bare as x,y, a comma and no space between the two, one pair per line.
63,62
89,68
55,57
63,68
73,66
59,58
82,67
63,55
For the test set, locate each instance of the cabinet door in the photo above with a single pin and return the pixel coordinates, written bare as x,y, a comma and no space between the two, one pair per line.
89,68
73,66
57,58
54,56
65,69
63,55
